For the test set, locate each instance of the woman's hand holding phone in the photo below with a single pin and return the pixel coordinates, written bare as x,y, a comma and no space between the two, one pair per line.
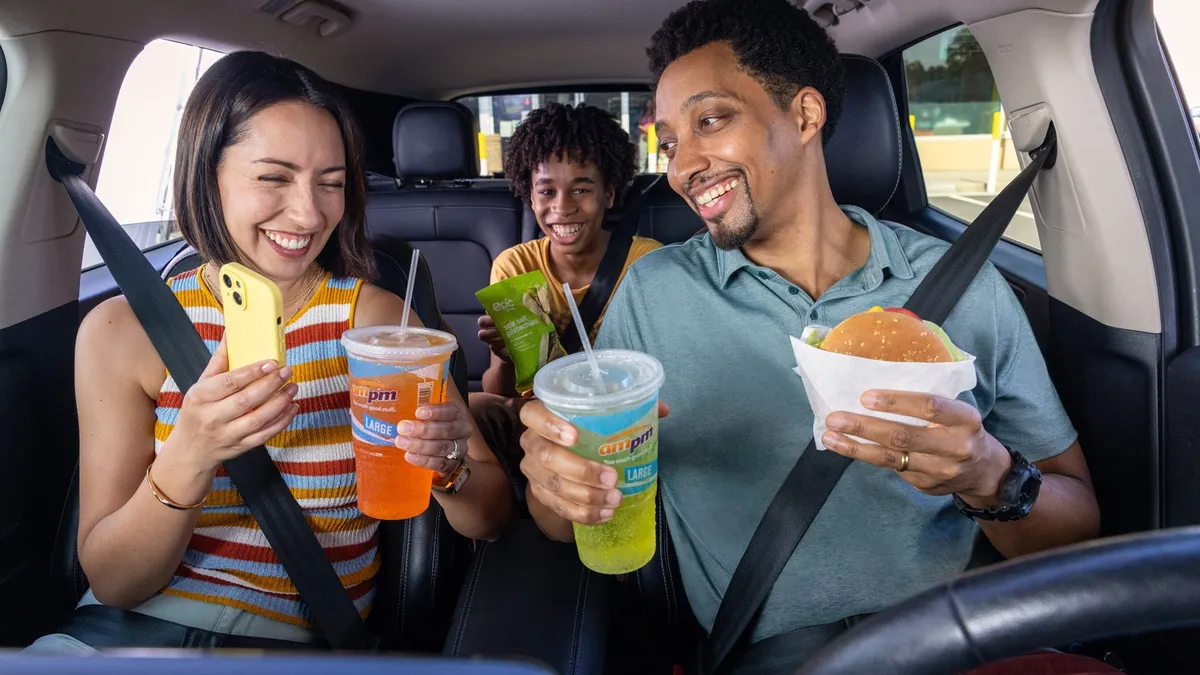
228,412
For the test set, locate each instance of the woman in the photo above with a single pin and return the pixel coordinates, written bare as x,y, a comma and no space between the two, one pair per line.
269,173
570,164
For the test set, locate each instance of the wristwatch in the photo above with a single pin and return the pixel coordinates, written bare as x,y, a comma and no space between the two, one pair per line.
1017,494
452,483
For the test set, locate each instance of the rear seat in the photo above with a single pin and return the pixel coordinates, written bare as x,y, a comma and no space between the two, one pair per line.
460,227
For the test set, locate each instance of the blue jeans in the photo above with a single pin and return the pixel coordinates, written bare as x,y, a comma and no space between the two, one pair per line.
188,612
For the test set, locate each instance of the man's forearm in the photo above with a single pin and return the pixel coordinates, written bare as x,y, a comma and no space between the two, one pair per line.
1065,513
550,523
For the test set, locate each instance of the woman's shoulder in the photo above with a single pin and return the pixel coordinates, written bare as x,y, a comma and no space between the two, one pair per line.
378,306
112,343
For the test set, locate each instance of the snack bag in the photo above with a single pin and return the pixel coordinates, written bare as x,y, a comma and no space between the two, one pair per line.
520,306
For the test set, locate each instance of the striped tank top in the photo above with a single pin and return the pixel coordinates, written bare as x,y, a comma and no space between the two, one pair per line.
229,560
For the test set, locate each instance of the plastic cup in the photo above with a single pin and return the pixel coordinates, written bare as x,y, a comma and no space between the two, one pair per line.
391,375
618,427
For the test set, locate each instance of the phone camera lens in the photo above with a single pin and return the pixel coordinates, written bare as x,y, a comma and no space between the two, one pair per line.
237,297
228,281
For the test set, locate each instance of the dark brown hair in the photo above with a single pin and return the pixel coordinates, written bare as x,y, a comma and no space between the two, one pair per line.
775,42
581,135
232,91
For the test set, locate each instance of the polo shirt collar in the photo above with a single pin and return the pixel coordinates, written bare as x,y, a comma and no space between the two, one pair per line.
886,254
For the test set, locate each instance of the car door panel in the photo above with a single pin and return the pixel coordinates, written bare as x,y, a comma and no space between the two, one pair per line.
40,445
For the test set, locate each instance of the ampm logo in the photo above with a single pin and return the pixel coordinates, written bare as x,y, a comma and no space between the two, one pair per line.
360,391
627,441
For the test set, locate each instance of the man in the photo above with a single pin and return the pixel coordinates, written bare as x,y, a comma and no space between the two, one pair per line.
747,93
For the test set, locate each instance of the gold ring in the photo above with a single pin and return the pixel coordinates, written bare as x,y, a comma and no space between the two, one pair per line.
903,462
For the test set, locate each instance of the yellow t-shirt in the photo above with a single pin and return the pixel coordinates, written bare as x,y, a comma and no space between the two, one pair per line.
535,255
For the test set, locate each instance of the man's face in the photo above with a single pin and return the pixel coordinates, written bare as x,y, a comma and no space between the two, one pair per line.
735,155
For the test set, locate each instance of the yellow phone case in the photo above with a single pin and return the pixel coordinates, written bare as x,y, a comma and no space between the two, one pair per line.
253,309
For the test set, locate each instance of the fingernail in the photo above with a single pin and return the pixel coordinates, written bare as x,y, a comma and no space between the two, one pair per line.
295,409
411,456
835,421
424,413
284,373
870,399
405,428
831,440
292,389
403,442
613,498
606,514
608,478
269,366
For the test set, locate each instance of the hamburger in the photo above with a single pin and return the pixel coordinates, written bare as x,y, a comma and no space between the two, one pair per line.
892,334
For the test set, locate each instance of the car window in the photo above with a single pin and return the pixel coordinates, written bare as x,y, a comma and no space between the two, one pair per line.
1176,19
961,133
500,114
139,153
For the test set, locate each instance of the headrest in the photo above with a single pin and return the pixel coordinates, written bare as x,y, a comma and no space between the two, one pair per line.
863,157
435,141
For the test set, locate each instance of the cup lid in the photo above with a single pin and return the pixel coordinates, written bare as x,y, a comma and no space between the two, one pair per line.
628,377
386,343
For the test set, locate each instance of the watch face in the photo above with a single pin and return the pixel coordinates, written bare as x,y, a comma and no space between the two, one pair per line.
455,481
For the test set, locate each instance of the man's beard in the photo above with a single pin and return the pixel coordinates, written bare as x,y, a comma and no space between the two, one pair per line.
733,233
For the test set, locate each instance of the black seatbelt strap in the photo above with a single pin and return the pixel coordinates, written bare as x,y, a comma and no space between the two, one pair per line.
810,482
185,356
605,281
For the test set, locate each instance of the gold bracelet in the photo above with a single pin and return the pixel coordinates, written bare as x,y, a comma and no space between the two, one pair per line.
167,501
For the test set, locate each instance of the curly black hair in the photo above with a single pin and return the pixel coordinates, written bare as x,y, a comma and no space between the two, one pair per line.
579,134
775,42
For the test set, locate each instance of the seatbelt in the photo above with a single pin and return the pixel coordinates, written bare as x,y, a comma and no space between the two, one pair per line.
811,480
605,281
185,355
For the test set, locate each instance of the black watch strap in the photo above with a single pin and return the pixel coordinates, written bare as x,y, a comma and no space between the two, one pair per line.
1017,495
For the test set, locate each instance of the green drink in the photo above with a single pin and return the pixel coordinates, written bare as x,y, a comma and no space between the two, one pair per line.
617,420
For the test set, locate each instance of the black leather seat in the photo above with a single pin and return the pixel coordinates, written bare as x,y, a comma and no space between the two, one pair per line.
655,623
459,224
424,559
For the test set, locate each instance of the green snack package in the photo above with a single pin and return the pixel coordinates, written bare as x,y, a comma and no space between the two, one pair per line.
520,306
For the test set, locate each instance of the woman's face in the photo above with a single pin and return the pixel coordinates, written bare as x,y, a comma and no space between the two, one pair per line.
283,188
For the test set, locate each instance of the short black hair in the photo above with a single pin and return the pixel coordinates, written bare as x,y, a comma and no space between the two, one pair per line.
577,134
775,42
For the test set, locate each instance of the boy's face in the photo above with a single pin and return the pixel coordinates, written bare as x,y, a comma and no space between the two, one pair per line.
569,201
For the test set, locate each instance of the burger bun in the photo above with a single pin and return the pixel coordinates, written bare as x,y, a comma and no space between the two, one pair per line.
887,336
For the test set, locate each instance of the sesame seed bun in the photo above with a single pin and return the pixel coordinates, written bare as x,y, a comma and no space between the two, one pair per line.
886,336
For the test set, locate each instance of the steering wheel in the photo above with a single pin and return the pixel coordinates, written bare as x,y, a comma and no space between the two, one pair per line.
1123,585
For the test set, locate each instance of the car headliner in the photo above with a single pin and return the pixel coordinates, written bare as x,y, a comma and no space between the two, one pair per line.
443,48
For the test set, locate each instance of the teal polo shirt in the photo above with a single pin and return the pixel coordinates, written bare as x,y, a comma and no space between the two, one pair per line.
720,325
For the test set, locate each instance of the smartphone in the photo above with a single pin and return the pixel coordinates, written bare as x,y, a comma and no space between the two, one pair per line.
253,309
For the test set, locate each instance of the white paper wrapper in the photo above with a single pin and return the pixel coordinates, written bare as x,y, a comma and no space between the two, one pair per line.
837,382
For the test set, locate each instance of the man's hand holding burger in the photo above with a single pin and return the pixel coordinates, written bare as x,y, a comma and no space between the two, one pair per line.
954,454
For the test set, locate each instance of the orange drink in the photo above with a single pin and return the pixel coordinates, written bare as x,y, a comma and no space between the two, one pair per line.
391,375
